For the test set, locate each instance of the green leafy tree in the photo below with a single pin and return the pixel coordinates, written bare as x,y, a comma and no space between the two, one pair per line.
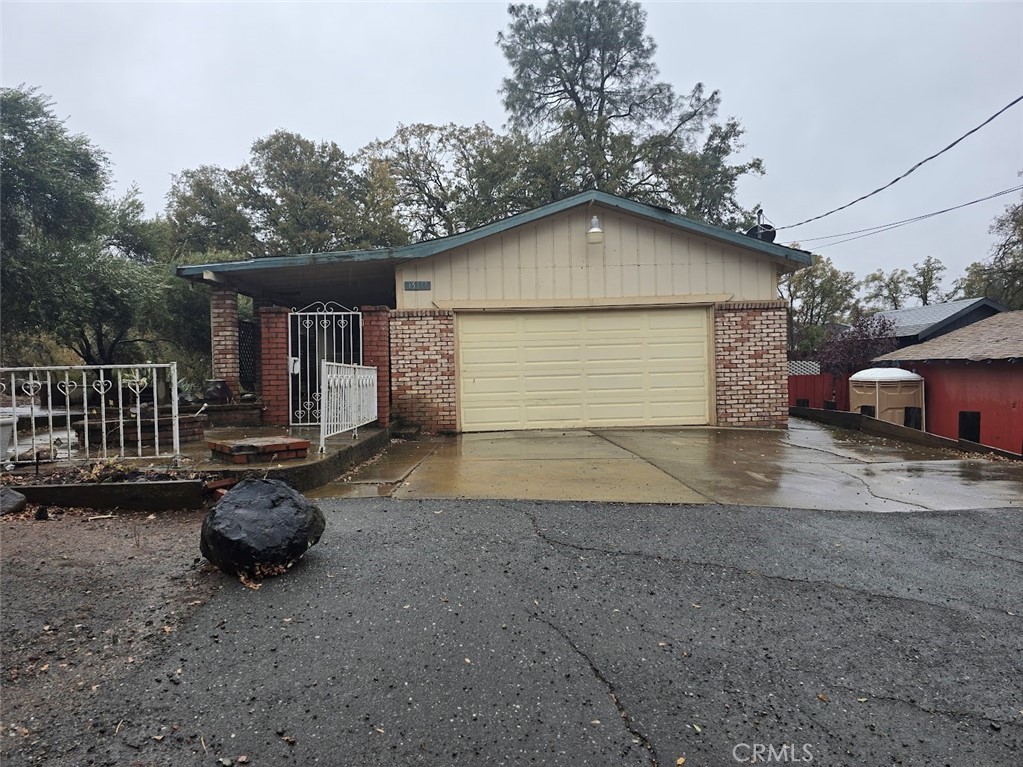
924,282
583,72
205,214
886,290
451,178
817,296
51,201
102,305
77,269
293,196
1000,277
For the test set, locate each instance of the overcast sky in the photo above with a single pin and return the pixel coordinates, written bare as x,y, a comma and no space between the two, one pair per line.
837,99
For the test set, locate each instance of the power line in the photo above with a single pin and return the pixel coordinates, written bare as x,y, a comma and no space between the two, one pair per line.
899,178
897,224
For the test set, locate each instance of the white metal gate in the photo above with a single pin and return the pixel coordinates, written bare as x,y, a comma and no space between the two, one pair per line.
321,332
348,399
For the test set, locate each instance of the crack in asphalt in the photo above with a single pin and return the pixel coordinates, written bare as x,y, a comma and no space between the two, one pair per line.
870,490
623,712
555,542
999,556
925,709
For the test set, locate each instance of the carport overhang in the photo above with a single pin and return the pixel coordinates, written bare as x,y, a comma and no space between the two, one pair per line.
360,279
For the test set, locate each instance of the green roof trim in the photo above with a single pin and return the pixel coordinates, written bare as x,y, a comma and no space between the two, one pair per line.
433,247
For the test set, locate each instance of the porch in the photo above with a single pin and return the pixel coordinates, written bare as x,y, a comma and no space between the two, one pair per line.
59,418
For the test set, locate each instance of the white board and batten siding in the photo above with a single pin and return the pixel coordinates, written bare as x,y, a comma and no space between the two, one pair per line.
556,332
550,262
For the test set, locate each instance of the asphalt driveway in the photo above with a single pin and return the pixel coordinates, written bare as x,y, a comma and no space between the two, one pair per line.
810,466
426,629
557,633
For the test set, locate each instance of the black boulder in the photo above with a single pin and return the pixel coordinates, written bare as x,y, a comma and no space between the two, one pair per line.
261,527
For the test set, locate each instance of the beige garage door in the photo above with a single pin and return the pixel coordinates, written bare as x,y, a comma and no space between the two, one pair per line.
542,370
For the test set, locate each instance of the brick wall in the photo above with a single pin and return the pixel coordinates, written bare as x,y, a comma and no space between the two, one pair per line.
376,352
224,336
751,362
273,365
423,368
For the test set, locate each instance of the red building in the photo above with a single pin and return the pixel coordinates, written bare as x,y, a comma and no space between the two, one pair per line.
974,381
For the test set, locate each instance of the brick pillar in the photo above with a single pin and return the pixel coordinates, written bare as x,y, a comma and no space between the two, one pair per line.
750,341
376,352
273,365
224,336
423,376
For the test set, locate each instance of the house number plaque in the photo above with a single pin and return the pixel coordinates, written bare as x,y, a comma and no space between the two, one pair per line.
418,285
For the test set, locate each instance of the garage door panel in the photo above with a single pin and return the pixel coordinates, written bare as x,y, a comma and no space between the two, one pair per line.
586,368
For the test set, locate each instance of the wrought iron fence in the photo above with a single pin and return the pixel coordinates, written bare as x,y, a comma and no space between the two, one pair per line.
348,398
248,354
321,332
90,411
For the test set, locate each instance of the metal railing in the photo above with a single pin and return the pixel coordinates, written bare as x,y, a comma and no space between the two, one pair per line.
348,399
89,411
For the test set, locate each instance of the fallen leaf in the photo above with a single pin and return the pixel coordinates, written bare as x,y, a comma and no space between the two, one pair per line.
243,759
823,698
468,661
697,728
168,629
594,721
697,605
158,738
44,667
680,761
861,700
379,729
151,516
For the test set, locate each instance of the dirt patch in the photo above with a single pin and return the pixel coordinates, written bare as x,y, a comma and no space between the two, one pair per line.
96,473
84,600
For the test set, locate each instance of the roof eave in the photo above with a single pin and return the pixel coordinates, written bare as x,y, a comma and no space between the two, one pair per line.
207,272
931,330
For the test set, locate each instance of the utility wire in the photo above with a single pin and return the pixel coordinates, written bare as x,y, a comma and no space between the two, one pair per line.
914,218
899,178
897,224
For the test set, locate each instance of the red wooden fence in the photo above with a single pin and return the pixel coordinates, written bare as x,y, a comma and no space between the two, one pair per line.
818,389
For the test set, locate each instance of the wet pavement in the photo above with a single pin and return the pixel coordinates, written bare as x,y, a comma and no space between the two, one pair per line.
446,632
809,466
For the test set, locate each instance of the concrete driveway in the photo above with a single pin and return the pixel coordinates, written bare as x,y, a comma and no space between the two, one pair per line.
809,466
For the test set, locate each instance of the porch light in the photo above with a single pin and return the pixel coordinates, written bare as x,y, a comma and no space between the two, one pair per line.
594,235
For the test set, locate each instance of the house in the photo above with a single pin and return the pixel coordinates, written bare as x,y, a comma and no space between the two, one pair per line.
591,311
921,323
973,381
